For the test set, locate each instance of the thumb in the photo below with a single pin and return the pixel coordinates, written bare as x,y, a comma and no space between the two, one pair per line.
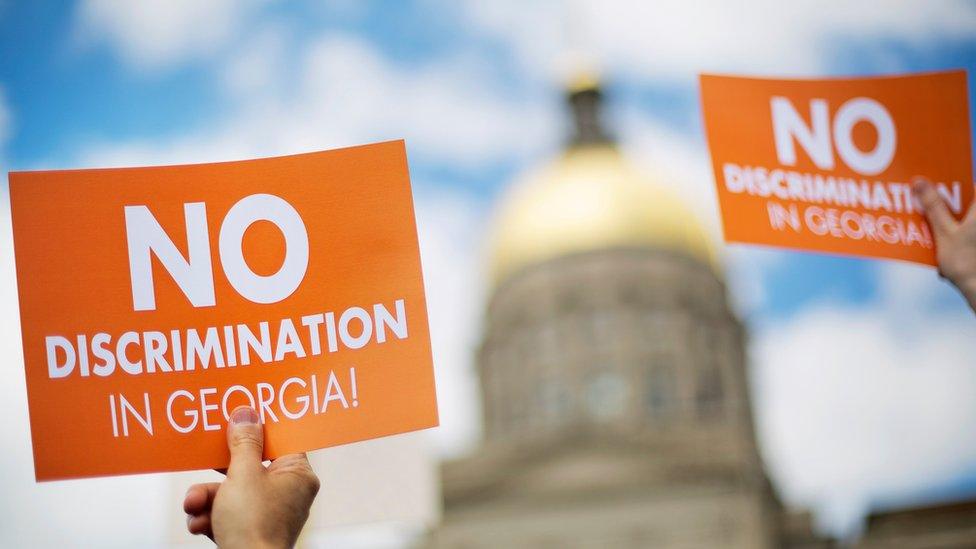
245,439
936,211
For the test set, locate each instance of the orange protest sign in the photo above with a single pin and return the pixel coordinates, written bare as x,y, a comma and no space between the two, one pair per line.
155,300
827,165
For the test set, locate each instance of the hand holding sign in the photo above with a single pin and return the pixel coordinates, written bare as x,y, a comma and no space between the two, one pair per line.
256,506
955,240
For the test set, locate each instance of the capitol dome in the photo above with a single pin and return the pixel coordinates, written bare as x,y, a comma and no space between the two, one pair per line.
612,373
590,198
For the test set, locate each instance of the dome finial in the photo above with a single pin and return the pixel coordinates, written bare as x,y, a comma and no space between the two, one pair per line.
585,98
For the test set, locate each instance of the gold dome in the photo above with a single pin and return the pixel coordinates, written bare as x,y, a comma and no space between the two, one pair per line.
590,198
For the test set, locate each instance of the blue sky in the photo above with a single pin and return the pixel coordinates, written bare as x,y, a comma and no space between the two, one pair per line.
66,89
475,89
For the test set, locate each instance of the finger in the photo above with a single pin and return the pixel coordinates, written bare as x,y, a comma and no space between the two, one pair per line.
935,208
200,524
290,461
245,439
199,498
297,468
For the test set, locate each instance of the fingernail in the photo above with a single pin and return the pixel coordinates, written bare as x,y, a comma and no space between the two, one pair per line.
920,184
243,415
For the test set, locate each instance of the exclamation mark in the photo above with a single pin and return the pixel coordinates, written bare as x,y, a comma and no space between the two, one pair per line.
355,390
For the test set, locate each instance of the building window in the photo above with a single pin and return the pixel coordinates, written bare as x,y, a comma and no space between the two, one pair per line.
708,393
603,332
659,390
554,402
606,396
654,329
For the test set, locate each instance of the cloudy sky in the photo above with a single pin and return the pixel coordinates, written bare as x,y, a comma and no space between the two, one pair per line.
863,371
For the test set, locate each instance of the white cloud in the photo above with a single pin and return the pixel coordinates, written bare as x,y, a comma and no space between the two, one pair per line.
254,70
452,227
346,93
449,108
858,405
161,33
679,38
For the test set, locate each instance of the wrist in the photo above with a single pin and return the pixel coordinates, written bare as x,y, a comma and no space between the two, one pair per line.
966,284
967,287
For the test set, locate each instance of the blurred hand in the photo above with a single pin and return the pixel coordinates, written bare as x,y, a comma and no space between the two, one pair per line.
955,242
255,506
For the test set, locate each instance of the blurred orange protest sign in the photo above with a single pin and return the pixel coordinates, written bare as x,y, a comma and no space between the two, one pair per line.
827,165
155,300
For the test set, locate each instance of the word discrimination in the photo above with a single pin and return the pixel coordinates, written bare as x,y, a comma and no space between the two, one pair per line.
834,206
829,190
182,350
